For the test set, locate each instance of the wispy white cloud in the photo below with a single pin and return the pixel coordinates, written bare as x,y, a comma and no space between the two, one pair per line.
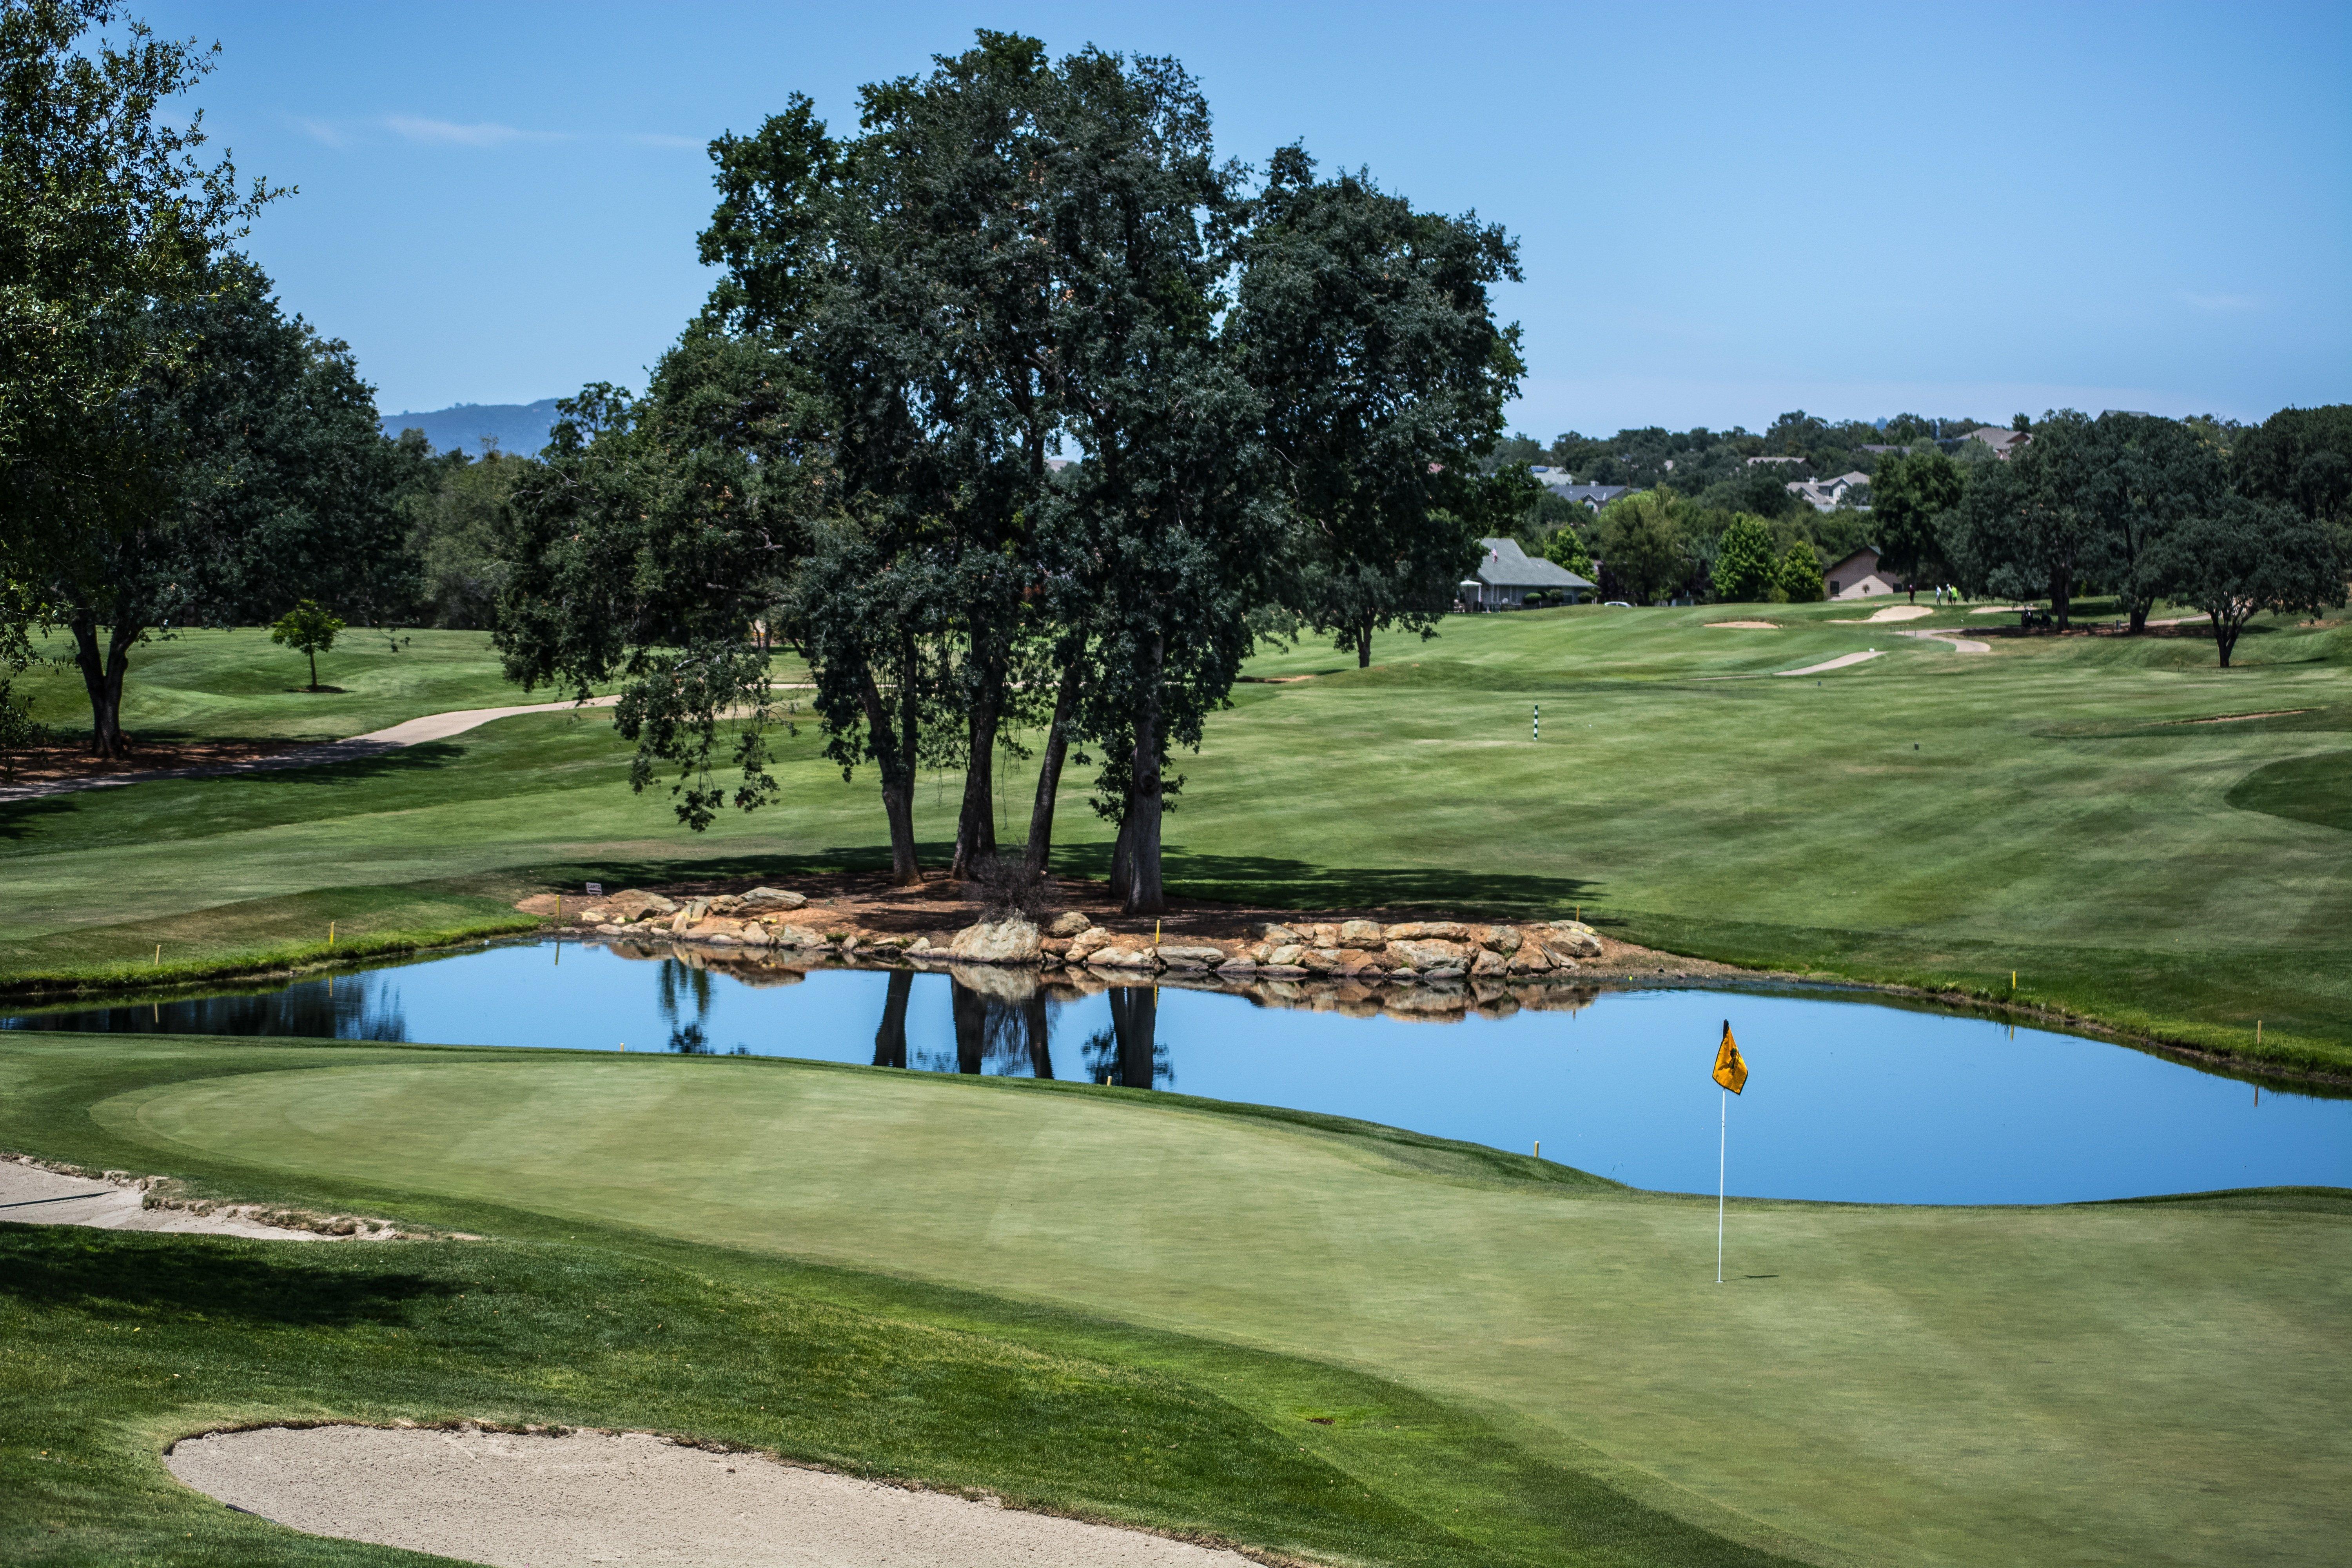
324,131
449,134
651,139
2195,300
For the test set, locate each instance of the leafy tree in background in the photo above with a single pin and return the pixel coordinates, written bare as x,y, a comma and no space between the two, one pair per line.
262,477
1797,576
2300,457
451,505
646,546
309,630
1642,545
2246,556
2027,527
1366,329
1910,493
104,213
1565,548
2141,475
1744,568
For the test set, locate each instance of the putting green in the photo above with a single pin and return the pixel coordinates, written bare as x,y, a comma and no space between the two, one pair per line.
2152,1382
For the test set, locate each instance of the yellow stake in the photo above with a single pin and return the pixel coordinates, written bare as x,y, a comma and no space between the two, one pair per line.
2013,979
1155,933
330,933
158,954
2258,1031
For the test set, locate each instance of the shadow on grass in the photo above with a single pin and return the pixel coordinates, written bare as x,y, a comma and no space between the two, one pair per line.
52,1267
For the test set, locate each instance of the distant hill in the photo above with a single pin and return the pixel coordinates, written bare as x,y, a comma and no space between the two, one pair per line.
518,427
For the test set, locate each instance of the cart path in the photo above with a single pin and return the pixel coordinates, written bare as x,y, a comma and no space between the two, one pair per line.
408,732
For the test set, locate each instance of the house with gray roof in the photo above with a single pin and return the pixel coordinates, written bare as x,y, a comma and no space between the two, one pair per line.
1508,574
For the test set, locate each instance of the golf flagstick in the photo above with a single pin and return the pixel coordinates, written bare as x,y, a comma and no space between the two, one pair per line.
1731,1072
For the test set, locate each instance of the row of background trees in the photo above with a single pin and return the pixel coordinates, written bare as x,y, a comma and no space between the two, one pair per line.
2229,517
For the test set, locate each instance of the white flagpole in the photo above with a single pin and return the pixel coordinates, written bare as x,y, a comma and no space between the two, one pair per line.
1722,1147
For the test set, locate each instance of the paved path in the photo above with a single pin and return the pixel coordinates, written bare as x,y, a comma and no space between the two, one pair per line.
411,733
1959,644
1838,663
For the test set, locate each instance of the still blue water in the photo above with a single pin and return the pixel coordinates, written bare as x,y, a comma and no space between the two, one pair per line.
1849,1099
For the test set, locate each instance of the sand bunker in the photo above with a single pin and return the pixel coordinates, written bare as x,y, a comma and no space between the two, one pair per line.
34,1194
632,1498
1892,612
1838,663
1742,626
1959,644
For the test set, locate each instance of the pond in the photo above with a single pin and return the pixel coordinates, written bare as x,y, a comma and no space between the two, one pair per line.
1851,1099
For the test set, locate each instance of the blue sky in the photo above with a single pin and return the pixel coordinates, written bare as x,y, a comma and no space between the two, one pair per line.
1723,212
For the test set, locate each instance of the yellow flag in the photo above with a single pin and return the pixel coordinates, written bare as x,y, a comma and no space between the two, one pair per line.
1730,1067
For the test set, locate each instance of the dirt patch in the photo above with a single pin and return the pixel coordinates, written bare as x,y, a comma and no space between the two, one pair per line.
521,1500
52,764
1741,626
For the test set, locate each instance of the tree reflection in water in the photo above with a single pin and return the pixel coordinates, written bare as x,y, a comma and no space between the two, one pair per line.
890,1038
687,1039
1129,1052
340,1007
1004,1024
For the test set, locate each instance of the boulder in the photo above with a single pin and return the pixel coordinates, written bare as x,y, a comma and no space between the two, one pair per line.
920,944
1529,959
753,934
797,936
1237,966
1429,931
1504,940
724,904
1424,954
639,903
1068,923
1362,934
1286,956
1282,935
1087,940
1325,960
1326,933
612,931
1489,962
1572,939
774,899
1191,956
1280,970
1013,941
1123,958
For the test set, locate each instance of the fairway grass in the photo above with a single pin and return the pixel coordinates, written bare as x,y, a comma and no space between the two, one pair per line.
2125,1382
2047,823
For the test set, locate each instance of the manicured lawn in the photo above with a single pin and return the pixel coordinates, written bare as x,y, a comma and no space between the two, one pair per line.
1522,1365
1928,816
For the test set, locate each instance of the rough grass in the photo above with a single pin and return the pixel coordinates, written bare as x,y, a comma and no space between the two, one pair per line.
1134,1305
1926,818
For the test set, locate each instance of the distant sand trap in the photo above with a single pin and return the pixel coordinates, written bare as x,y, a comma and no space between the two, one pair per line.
30,1194
1959,644
1997,609
1742,626
630,1498
1892,612
1838,663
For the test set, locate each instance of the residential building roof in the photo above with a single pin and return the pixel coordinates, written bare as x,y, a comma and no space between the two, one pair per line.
1509,566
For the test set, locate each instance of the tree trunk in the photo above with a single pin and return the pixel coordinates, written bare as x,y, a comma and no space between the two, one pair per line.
1037,1026
1145,895
314,667
1364,648
1134,1023
1049,772
101,677
971,1013
893,754
890,1038
975,843
1122,862
2225,638
2061,583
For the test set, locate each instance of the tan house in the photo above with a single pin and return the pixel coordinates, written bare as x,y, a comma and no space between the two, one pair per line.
1859,576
